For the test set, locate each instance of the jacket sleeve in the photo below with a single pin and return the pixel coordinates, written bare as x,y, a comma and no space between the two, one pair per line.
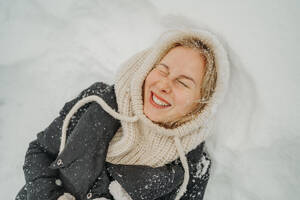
199,177
42,182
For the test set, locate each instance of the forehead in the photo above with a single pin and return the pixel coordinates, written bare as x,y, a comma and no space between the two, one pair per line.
185,60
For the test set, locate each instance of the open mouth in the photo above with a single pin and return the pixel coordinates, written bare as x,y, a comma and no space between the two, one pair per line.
158,102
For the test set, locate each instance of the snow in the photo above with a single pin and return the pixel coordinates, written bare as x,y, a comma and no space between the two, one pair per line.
51,50
202,167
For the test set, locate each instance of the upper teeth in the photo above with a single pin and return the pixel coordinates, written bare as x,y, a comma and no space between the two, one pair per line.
159,102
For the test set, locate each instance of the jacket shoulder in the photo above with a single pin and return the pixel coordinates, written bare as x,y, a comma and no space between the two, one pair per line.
49,139
97,88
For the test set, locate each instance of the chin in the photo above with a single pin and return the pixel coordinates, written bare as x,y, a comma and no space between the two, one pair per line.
153,116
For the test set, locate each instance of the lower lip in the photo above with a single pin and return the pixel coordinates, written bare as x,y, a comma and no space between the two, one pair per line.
156,105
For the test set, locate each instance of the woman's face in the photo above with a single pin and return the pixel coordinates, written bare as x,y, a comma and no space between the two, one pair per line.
173,86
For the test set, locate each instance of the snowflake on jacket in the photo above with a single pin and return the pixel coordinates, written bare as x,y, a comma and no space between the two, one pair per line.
81,170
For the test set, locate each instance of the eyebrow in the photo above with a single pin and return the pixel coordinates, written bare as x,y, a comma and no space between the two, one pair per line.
181,76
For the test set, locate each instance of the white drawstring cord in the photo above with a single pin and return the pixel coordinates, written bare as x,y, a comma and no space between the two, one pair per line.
118,116
84,101
185,166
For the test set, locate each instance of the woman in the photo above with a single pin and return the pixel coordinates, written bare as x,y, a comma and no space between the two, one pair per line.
153,146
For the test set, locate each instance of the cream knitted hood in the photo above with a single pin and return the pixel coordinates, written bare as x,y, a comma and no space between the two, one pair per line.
139,141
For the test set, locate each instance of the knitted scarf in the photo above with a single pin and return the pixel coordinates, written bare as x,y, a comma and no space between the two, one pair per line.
139,141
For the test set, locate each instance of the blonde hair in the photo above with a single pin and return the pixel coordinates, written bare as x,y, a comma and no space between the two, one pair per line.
208,81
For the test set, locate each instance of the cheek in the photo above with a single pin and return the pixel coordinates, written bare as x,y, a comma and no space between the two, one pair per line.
155,75
184,102
151,77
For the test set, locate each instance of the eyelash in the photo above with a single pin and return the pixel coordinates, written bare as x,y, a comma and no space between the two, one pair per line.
162,72
183,84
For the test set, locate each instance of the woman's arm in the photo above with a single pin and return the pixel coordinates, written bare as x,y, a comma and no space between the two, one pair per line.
41,181
199,176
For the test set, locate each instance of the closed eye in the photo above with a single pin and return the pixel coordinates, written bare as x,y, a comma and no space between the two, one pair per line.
163,72
182,83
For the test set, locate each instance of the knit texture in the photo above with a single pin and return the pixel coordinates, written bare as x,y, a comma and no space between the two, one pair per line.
144,142
139,141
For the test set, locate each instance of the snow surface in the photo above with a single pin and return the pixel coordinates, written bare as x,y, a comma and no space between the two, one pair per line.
51,50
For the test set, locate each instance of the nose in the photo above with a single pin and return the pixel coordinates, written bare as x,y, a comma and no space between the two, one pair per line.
164,86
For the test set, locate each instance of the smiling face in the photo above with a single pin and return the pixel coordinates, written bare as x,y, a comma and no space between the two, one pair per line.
173,85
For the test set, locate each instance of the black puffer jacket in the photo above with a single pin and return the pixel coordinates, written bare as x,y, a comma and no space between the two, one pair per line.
81,168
